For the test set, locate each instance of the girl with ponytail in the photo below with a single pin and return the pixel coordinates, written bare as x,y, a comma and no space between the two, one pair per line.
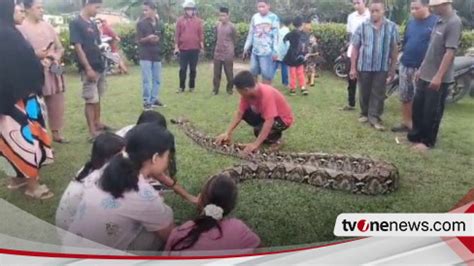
105,147
123,205
211,231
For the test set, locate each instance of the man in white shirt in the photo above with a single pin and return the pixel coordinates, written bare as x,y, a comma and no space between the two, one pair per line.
354,20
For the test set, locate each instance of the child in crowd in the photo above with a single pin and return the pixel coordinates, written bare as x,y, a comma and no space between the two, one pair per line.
313,60
295,58
282,50
212,231
155,117
104,148
123,209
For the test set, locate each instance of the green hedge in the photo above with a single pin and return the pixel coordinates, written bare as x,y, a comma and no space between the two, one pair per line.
333,38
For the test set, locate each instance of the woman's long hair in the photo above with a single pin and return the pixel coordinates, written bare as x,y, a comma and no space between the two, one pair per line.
221,191
21,72
7,9
105,147
143,142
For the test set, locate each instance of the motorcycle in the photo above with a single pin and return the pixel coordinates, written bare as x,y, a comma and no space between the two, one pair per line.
340,66
111,59
463,85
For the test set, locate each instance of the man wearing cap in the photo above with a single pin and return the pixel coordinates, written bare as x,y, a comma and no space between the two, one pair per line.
435,76
189,41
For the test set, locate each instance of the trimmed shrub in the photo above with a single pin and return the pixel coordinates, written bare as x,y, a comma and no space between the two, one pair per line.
333,39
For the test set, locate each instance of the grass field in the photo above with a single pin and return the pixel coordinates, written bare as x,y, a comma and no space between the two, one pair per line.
281,213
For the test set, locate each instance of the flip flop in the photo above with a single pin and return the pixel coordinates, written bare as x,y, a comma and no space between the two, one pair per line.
62,141
41,193
14,187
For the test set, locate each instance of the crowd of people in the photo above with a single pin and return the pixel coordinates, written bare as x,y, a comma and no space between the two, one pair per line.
116,198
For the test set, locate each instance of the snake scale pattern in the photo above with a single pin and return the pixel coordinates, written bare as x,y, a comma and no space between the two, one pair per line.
352,174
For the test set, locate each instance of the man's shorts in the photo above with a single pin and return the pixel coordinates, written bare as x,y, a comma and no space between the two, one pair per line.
92,91
263,65
407,83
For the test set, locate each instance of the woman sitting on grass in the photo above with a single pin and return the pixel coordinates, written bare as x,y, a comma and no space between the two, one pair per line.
123,205
105,147
155,117
211,231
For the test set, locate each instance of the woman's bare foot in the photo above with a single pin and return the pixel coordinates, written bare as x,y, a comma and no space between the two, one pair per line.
59,138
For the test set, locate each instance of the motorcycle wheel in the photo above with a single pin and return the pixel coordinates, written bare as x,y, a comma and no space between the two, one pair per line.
340,70
391,89
460,88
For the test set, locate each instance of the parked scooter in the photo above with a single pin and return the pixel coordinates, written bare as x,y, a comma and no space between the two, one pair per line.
341,65
463,85
112,60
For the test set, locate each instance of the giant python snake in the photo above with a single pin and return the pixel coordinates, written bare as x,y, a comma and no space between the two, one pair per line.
353,174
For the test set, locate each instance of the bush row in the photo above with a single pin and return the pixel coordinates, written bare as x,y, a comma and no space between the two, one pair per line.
333,39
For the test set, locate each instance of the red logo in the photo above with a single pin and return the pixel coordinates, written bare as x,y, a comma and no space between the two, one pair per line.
363,226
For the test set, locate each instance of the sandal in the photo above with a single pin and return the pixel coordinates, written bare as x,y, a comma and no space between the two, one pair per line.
13,186
41,193
62,141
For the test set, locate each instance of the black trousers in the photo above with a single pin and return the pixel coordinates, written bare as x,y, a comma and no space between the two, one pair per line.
428,111
188,58
351,86
256,121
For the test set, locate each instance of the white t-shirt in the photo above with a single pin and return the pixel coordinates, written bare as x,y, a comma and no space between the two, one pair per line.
117,222
72,197
353,22
123,132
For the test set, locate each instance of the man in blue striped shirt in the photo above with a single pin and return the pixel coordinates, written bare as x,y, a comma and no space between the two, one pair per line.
373,62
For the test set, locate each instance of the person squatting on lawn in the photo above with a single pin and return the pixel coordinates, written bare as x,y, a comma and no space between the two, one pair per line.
24,140
48,48
414,47
355,19
373,62
262,107
435,76
150,35
123,210
211,230
282,50
189,41
85,36
224,53
295,57
263,38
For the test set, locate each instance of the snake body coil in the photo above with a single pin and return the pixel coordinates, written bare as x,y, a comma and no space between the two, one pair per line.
353,174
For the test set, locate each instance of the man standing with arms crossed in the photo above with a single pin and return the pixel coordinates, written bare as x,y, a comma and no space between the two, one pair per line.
354,20
85,36
435,76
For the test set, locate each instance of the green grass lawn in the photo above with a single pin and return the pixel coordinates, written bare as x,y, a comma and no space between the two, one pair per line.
281,213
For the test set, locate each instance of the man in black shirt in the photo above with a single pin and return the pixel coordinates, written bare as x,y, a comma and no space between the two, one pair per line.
149,36
85,36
